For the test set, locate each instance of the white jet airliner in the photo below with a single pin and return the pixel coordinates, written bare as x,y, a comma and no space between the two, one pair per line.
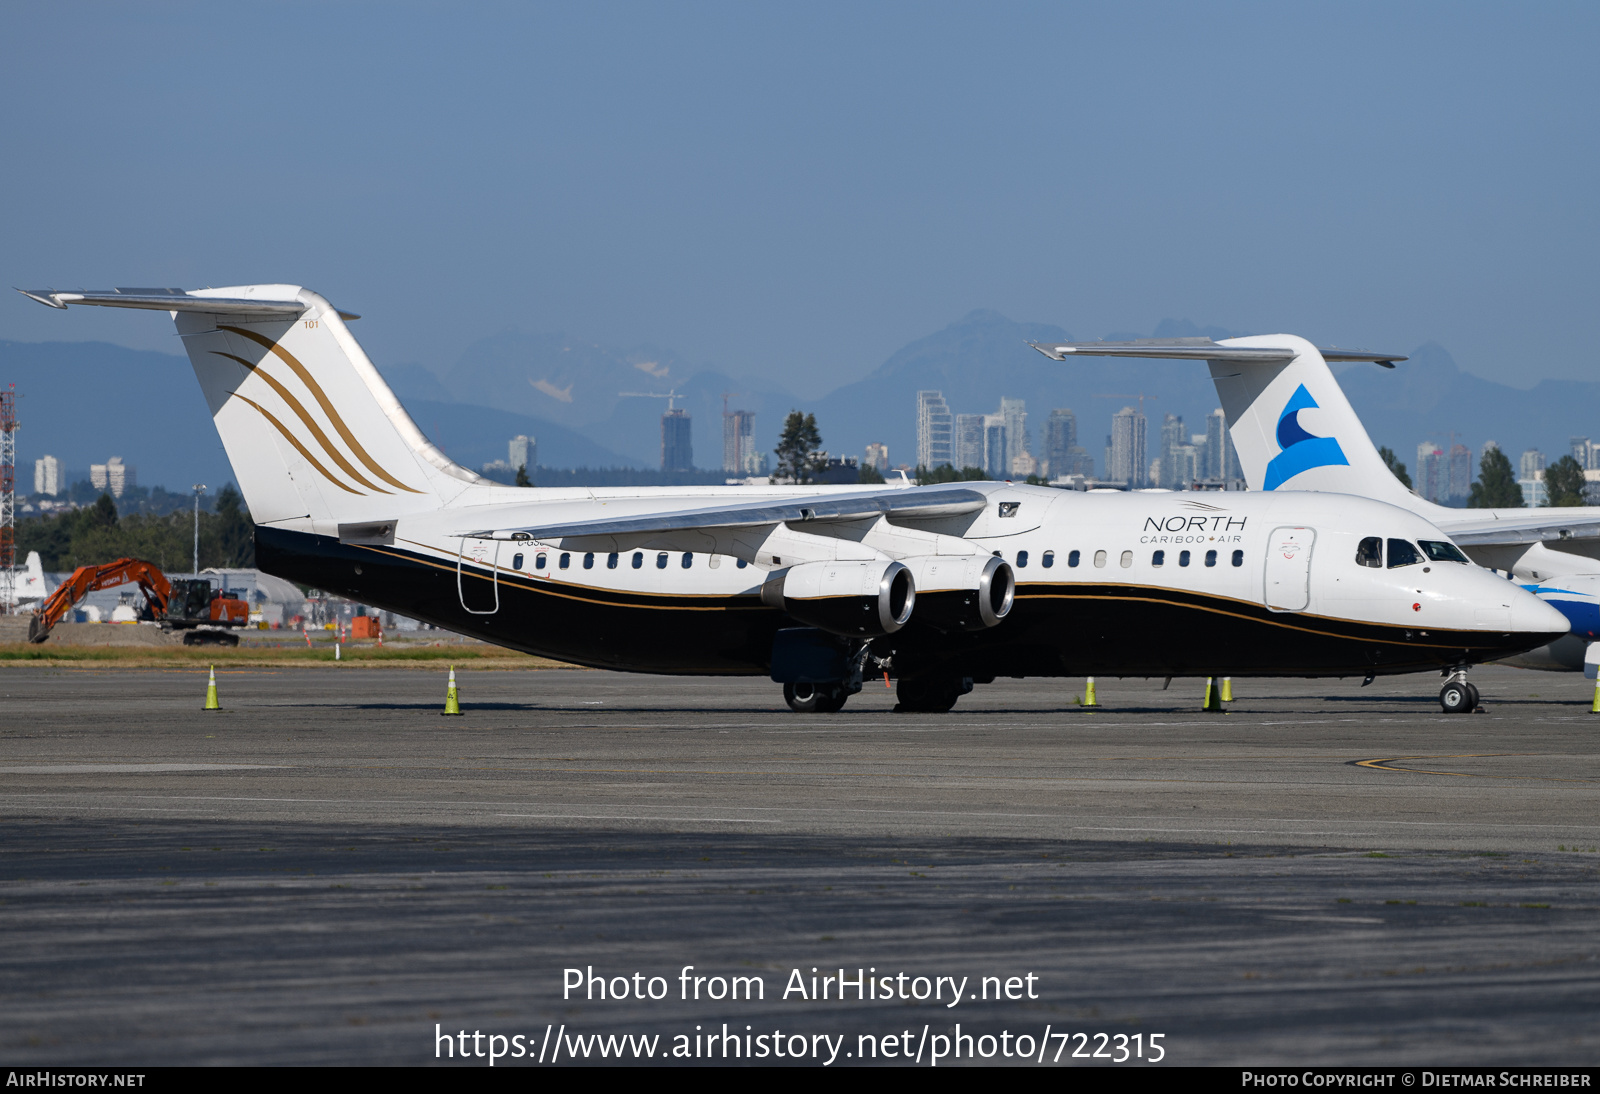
817,587
1294,429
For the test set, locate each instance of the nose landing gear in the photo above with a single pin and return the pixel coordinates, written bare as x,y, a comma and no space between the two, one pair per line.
1458,696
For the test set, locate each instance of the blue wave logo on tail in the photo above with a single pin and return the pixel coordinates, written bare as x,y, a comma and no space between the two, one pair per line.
1301,451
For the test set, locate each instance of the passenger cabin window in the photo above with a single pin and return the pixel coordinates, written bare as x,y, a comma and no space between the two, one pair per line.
541,561
661,561
1022,559
566,560
588,560
1100,559
1072,559
1048,559
611,561
516,561
1401,553
1369,552
1211,558
1441,551
1183,558
688,559
1127,559
1159,558
638,559
1238,558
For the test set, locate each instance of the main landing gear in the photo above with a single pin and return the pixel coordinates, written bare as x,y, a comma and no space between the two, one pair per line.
1458,696
815,698
930,694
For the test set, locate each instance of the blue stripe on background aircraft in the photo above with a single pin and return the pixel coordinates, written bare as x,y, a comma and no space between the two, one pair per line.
941,587
1294,428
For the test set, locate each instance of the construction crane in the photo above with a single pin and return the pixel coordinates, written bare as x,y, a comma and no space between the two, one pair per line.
190,605
668,396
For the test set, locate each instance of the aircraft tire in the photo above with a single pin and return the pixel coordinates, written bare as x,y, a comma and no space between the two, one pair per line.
1456,699
814,698
929,695
1472,689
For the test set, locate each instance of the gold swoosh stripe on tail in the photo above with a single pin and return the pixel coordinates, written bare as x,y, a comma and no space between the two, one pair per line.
322,401
300,448
310,422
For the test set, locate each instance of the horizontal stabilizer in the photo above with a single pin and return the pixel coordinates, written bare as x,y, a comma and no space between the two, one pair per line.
916,503
1202,349
168,300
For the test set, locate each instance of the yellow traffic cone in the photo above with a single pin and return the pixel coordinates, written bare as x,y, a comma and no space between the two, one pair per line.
1227,689
1213,703
211,691
452,702
1088,694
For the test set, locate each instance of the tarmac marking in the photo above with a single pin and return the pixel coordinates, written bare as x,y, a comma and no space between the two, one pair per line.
1382,764
131,769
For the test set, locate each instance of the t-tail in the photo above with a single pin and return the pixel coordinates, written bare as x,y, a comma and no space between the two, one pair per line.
314,434
1289,420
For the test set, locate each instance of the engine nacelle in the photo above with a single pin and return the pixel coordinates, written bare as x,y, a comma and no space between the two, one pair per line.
962,592
854,598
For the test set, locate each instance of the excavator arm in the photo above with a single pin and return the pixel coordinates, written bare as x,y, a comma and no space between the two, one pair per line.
86,579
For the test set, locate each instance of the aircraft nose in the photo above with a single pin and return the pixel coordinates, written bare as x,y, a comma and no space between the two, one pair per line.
1530,615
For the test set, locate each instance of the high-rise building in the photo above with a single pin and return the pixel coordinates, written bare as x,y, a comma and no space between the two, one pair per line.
113,476
1128,448
47,476
524,452
1015,414
677,446
877,458
967,449
1459,486
739,442
1433,474
995,447
1060,438
1531,464
1220,461
1173,437
933,429
1582,450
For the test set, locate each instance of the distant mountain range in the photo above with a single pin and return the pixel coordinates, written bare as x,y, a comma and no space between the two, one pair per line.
85,401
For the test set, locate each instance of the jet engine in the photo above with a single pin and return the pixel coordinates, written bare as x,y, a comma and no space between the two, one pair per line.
853,598
962,592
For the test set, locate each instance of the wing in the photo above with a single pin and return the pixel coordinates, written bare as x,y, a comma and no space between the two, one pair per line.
898,504
1538,526
1201,349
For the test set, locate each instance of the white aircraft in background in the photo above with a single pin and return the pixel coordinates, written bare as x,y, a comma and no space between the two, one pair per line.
29,588
1293,428
817,587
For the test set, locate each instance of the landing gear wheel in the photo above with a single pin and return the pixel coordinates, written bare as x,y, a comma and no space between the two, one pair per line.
815,698
930,695
1457,699
1472,689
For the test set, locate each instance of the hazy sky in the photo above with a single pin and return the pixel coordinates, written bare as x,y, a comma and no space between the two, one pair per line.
798,190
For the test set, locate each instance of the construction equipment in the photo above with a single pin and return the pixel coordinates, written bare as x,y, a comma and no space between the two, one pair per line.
204,614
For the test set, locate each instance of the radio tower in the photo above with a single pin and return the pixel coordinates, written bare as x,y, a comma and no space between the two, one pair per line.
8,499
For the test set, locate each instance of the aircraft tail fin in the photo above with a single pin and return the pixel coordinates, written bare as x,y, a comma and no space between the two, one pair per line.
1289,420
315,436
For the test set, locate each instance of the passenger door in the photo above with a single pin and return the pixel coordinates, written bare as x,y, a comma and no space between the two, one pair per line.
1289,569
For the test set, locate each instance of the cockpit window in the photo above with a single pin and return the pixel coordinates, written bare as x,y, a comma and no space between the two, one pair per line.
1369,552
1402,553
1441,551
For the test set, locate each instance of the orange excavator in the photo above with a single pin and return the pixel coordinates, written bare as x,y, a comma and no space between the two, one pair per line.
190,605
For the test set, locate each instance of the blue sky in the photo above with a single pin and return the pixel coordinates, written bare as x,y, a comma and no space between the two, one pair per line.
797,190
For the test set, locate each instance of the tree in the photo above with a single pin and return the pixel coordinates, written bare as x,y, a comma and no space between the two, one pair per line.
799,448
233,531
869,474
1496,487
1564,482
1395,466
522,476
945,473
